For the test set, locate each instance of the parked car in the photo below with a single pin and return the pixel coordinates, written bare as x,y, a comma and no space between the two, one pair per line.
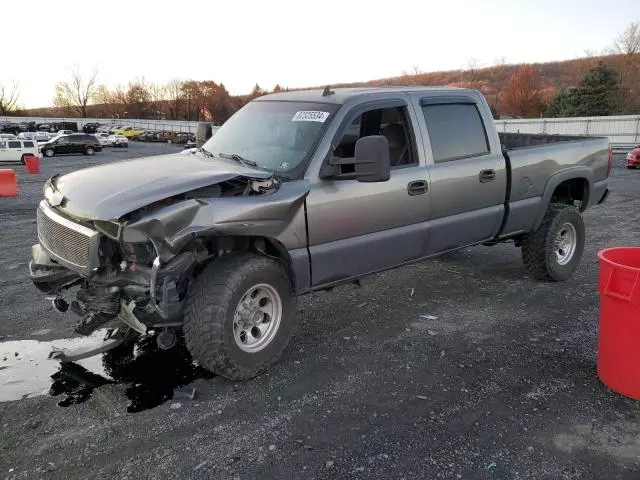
42,136
113,128
91,127
64,132
103,138
73,143
329,187
15,151
118,141
633,158
7,136
128,131
27,136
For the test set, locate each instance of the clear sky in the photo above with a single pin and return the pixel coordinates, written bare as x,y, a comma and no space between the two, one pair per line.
293,43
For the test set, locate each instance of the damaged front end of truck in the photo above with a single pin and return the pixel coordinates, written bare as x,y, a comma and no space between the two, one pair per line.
126,262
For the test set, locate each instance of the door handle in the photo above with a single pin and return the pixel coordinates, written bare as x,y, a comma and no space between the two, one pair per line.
487,176
417,187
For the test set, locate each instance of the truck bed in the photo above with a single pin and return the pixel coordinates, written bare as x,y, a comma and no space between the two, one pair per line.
512,141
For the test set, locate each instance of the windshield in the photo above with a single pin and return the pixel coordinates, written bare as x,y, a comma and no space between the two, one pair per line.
274,135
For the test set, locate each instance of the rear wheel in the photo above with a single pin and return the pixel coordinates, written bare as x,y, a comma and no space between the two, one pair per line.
553,251
23,159
239,315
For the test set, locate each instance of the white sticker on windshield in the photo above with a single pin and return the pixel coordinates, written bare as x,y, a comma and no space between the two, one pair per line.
310,116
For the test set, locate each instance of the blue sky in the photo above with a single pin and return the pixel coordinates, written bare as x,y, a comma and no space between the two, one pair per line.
293,43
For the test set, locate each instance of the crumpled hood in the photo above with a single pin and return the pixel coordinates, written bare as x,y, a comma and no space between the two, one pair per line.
106,192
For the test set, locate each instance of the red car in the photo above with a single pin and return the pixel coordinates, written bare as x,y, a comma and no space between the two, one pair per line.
633,158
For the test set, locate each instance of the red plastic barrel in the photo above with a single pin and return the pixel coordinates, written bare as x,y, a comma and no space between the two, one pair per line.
8,183
32,163
619,330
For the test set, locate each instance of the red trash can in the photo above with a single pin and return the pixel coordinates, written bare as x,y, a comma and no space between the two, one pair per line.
619,329
32,163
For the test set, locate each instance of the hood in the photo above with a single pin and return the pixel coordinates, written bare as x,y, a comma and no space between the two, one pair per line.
107,192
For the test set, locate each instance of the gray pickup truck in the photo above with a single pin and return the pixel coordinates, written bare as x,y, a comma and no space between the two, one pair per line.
298,192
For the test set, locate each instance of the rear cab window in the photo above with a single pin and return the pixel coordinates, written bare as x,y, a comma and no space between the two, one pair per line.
456,131
15,144
28,144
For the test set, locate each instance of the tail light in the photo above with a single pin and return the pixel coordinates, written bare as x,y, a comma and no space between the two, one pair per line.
610,165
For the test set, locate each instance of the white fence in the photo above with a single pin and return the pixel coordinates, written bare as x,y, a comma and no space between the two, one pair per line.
166,125
622,131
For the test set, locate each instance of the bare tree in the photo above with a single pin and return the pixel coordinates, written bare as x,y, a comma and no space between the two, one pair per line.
174,96
501,79
77,92
628,46
471,75
8,98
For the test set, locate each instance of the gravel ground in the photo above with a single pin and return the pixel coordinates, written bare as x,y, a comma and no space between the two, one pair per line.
458,367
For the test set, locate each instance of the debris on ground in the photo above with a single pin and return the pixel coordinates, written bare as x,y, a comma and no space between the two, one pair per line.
329,464
272,448
491,465
429,317
175,405
422,397
184,393
433,333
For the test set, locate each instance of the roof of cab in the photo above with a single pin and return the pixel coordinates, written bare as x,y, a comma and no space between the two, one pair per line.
341,95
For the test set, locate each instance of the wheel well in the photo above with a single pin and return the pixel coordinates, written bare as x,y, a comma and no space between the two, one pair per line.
267,246
572,191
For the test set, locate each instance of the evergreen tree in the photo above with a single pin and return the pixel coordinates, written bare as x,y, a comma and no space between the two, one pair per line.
597,95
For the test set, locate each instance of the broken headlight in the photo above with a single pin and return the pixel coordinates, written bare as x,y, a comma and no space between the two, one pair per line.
120,233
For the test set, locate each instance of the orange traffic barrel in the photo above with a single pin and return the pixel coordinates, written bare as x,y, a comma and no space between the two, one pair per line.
8,183
32,163
619,328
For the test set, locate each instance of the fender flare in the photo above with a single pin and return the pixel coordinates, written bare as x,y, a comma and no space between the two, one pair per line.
572,173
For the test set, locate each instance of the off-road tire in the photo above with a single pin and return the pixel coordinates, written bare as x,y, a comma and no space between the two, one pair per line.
210,307
538,252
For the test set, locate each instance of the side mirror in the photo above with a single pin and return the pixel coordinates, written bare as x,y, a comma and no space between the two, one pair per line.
369,164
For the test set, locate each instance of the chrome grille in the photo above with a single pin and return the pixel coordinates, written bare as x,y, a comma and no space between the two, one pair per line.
71,244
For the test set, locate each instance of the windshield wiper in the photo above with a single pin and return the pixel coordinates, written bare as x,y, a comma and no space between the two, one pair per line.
238,158
206,152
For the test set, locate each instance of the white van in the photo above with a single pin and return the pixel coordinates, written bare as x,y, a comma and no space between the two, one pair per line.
16,150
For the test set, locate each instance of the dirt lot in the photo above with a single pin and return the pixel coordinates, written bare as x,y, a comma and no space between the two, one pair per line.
460,367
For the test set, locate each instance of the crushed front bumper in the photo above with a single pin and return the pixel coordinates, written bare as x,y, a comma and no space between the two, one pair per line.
47,276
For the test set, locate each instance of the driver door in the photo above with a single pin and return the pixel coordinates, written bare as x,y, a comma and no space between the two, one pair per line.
357,228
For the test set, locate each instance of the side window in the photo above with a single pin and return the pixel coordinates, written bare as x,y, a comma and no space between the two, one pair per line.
62,140
393,123
28,144
3,144
456,131
14,144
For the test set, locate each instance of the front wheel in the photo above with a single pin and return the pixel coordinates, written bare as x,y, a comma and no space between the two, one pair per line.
49,152
90,151
239,315
553,251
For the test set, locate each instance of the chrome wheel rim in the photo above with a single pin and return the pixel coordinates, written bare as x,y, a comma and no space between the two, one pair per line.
257,318
565,243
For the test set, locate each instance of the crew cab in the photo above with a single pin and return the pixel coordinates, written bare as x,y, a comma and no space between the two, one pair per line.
298,192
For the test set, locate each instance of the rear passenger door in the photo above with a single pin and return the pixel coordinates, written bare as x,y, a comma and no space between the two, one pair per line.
468,179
